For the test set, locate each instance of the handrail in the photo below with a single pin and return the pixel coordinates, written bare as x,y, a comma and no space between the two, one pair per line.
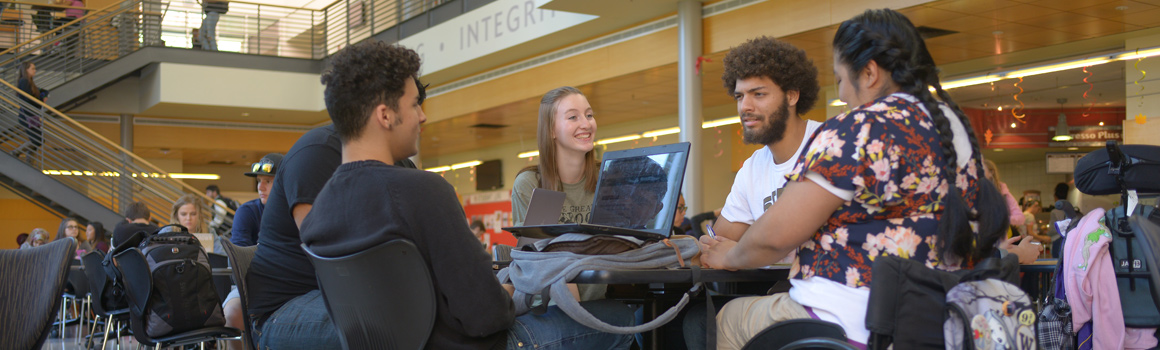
41,4
91,14
108,143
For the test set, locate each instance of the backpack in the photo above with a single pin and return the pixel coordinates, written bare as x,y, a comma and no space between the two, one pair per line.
911,305
1054,328
547,271
989,314
181,296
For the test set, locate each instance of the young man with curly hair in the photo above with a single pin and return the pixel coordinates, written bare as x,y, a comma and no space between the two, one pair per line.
284,301
375,101
774,83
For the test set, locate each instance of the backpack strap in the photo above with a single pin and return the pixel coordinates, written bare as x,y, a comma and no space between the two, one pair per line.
572,308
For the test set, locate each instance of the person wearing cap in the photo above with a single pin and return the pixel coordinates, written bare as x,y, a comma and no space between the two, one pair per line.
247,222
248,219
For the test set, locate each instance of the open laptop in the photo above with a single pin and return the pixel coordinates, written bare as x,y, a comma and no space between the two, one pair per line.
636,195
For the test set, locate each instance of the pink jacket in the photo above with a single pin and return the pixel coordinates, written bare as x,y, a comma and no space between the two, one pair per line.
1012,206
1090,281
75,13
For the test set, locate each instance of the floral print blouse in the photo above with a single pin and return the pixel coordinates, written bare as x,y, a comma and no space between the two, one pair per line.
888,154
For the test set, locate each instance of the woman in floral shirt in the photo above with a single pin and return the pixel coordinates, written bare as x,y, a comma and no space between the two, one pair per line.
897,175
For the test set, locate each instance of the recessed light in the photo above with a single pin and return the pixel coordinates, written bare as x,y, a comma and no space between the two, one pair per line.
998,150
1073,148
1012,125
997,32
1121,8
245,114
1101,123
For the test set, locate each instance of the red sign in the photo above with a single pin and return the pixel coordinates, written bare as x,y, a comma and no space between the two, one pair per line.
1035,129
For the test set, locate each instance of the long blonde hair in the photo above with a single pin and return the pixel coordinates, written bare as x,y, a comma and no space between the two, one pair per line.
547,169
189,198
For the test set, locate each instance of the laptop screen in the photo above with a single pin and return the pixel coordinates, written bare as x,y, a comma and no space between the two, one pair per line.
639,192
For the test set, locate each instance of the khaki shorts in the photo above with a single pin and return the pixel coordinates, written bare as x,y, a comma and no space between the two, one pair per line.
742,318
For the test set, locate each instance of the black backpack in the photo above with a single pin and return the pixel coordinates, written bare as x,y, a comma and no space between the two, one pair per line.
1121,169
180,294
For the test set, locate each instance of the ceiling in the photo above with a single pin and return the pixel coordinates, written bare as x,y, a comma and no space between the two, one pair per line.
991,35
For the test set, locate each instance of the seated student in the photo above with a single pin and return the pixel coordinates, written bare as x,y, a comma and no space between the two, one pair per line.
774,83
136,220
248,218
899,174
378,118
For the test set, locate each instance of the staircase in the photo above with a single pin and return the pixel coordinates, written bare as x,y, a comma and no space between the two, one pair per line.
76,171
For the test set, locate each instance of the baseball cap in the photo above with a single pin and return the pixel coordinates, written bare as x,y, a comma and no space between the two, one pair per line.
267,166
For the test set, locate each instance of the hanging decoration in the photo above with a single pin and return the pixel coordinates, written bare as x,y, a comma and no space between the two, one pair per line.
1015,111
1140,118
988,136
1089,90
720,150
700,60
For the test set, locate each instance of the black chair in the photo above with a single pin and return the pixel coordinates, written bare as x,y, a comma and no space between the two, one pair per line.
75,299
379,298
240,258
114,313
138,286
35,280
221,284
799,335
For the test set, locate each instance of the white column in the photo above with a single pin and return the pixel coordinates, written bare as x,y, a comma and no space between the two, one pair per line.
691,44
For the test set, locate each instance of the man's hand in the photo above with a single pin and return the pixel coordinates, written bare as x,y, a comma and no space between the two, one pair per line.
714,252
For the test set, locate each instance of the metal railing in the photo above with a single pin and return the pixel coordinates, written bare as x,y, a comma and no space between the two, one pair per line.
83,160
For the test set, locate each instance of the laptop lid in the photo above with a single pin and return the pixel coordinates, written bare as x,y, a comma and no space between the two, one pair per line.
638,188
544,208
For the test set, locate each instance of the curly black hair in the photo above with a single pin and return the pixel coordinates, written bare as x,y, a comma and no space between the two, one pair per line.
363,76
781,62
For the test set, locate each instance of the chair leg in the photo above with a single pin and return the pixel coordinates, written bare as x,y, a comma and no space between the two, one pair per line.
105,337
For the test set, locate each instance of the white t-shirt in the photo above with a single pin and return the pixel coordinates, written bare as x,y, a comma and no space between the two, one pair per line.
759,182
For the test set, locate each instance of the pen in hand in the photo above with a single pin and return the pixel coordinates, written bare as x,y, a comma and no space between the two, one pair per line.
709,230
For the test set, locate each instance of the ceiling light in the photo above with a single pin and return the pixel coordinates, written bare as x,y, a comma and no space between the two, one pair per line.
661,132
194,176
1048,68
1012,125
1000,108
1061,129
998,150
438,169
1073,148
720,122
618,139
465,164
837,103
528,154
1101,123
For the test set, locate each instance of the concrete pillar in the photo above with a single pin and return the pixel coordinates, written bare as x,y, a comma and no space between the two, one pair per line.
1144,101
689,23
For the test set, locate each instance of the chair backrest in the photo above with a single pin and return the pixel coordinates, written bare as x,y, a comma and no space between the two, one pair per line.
77,279
35,278
98,280
356,286
784,333
221,284
240,258
501,252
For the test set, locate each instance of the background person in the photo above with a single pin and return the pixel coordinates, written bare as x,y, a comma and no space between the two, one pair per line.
248,218
98,237
213,12
187,212
72,227
30,119
136,220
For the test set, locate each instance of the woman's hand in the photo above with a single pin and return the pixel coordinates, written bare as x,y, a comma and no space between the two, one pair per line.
714,252
1026,251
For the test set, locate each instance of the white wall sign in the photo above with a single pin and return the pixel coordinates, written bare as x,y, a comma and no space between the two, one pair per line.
496,26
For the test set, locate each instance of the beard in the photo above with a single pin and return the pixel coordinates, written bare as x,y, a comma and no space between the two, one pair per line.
775,125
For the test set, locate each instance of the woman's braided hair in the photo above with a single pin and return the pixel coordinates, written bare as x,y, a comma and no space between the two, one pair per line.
891,40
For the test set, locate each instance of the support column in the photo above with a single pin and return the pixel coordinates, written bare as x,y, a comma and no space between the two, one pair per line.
689,22
125,188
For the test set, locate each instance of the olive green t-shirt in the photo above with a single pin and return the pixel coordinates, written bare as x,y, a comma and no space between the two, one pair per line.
577,201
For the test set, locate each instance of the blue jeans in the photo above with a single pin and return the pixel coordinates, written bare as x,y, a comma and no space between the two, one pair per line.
208,30
556,330
301,323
